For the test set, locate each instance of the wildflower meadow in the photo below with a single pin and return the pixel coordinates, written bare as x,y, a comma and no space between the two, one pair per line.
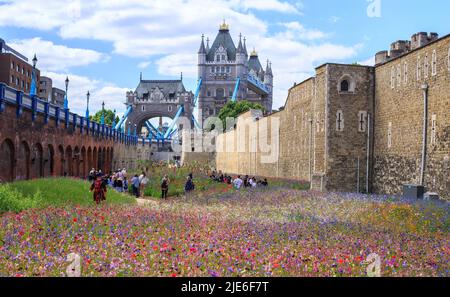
262,232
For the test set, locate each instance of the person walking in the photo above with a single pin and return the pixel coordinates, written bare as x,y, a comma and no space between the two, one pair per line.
99,190
91,176
135,185
143,179
165,186
188,187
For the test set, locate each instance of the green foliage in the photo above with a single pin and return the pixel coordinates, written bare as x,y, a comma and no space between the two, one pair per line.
12,200
109,117
234,109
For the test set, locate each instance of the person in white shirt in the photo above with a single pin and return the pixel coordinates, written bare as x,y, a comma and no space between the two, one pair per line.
143,181
238,182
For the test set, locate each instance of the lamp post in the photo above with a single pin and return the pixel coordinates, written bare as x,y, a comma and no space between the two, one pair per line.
66,101
33,77
88,95
102,121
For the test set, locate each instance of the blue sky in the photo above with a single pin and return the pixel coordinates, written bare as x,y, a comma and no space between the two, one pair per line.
103,45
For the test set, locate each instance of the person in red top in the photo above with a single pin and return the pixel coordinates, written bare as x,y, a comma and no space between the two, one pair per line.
99,189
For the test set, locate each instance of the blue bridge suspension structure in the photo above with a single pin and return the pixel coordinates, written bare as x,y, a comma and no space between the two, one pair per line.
162,136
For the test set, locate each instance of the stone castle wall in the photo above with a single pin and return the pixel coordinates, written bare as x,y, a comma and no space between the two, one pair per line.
399,116
381,137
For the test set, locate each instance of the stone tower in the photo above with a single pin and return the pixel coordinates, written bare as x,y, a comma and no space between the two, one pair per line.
221,65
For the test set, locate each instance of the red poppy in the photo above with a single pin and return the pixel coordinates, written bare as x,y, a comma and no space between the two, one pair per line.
133,255
75,220
173,275
253,255
155,248
341,261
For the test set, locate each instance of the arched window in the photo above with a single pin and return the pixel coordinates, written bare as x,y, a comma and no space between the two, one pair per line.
345,86
143,107
426,66
434,63
399,75
220,93
169,108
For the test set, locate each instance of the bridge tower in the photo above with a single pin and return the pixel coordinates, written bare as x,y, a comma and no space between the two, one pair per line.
158,99
228,73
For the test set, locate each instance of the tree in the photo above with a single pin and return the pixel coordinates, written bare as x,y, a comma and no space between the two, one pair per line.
234,109
109,116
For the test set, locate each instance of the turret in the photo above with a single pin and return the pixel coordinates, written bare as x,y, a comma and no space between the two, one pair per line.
268,76
240,53
202,58
202,52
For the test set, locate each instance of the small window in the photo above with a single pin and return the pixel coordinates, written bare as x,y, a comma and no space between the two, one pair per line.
12,79
426,66
433,129
208,93
12,65
362,118
223,57
419,69
213,69
434,63
220,93
389,144
169,108
17,81
345,86
448,59
230,93
399,75
228,69
222,69
218,58
339,121
405,73
393,77
143,107
18,68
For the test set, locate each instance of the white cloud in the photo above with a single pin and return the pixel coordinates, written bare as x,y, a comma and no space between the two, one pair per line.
297,30
144,65
171,30
271,5
112,95
369,62
52,57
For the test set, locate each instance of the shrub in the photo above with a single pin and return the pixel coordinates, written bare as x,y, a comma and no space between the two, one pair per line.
12,200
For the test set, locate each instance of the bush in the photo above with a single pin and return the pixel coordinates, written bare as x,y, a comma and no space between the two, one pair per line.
12,200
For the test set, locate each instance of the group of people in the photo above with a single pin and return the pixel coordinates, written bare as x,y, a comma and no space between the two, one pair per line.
238,182
138,184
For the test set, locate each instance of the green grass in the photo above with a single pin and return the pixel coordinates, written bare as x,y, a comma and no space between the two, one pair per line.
21,195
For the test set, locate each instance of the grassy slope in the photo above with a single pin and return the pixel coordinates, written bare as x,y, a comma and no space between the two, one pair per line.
63,191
